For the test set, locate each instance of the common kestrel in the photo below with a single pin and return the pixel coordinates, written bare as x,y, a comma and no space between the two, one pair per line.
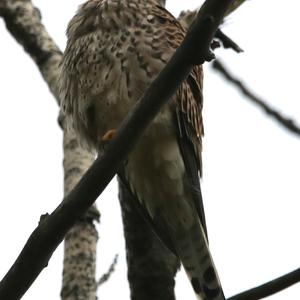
115,49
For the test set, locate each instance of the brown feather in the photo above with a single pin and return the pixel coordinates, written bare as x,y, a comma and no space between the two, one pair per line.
188,100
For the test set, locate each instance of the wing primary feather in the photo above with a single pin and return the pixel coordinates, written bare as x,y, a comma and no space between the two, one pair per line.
156,223
190,162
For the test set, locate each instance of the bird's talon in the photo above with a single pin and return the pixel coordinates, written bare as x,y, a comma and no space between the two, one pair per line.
108,135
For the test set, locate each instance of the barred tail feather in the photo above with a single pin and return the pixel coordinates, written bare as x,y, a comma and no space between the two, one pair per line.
192,248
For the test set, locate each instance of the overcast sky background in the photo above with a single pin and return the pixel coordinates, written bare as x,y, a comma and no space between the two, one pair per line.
251,165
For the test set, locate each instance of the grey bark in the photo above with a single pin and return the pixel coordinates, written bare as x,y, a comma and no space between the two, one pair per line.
80,243
23,21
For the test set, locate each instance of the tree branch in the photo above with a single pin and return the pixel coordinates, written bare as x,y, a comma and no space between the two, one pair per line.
287,123
227,42
104,278
270,287
23,21
80,245
186,18
46,237
236,4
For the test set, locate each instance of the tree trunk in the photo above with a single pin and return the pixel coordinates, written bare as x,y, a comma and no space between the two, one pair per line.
80,244
151,266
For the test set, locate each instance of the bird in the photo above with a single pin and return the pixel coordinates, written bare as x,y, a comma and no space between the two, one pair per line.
115,48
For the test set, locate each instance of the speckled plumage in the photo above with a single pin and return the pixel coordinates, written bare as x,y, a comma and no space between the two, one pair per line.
115,49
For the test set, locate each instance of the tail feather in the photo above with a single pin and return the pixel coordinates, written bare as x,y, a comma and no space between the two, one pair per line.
192,248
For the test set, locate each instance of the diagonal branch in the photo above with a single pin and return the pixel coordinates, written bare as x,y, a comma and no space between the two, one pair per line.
46,237
269,288
287,123
187,17
235,5
227,42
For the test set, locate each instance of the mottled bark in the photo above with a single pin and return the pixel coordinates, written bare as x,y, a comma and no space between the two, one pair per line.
80,262
23,21
81,241
151,266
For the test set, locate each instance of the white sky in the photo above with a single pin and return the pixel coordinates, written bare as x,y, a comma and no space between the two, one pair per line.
251,165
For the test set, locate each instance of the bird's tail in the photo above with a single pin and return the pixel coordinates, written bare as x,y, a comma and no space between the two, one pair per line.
192,248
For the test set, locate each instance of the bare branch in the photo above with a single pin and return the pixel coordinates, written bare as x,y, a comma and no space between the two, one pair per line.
104,278
187,17
236,4
227,42
80,245
287,123
270,287
23,21
46,237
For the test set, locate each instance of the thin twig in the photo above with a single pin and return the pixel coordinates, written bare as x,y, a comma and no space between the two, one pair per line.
186,18
269,288
227,42
286,122
195,49
105,277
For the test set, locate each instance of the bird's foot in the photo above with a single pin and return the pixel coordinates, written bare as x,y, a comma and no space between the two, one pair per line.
108,135
106,138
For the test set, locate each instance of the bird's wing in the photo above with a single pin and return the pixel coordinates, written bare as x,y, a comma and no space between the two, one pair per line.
191,244
79,81
157,224
187,105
